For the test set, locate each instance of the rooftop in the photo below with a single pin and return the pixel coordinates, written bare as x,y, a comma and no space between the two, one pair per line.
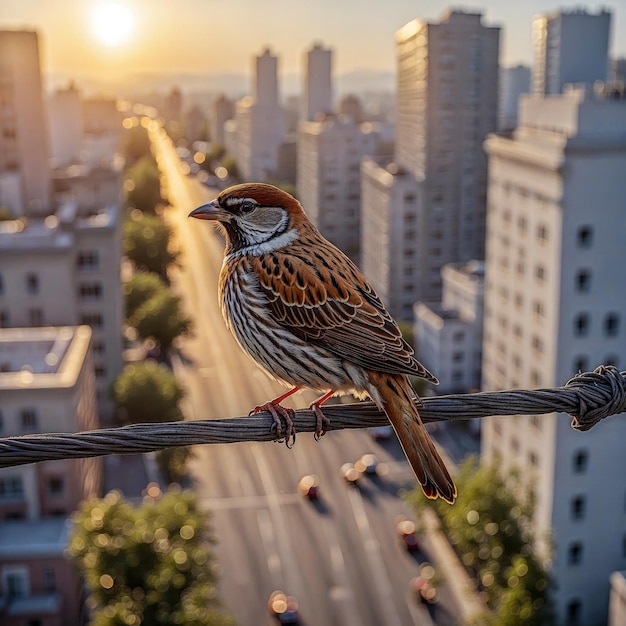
40,358
47,536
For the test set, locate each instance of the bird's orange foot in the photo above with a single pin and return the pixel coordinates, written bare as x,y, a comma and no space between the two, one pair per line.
277,412
322,423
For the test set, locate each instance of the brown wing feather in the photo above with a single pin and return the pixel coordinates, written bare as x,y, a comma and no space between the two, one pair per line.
319,294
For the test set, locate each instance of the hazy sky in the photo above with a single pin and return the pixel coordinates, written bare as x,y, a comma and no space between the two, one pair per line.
223,35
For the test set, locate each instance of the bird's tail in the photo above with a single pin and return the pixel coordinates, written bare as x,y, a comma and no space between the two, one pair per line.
396,396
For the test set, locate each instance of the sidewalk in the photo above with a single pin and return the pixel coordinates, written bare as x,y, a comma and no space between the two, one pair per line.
459,583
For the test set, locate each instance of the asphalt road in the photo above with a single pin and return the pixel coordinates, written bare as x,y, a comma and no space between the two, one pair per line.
340,556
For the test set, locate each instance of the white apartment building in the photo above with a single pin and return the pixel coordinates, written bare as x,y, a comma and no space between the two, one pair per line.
449,334
65,270
260,123
318,88
329,179
447,99
514,81
559,54
65,123
24,150
554,305
48,385
392,235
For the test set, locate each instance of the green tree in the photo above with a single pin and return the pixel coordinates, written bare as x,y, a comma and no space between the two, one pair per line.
150,565
490,527
143,185
161,318
147,243
230,163
136,144
147,392
140,288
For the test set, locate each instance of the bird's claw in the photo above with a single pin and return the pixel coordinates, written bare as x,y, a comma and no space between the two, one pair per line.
277,412
322,423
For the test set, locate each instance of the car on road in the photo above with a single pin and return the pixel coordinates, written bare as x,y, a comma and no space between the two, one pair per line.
424,586
309,486
367,464
350,474
283,607
407,535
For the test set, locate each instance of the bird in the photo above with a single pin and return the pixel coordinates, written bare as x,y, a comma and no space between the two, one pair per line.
308,317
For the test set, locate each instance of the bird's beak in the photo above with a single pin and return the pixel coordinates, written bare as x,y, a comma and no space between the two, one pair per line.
211,211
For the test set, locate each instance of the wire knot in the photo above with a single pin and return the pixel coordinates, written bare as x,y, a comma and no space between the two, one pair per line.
600,393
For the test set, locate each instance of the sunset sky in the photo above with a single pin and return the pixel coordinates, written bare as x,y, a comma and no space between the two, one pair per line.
223,35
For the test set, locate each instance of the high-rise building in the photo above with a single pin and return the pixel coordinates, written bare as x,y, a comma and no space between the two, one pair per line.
570,47
173,105
24,151
222,110
392,234
446,104
318,91
260,123
554,306
65,122
65,270
450,333
514,81
328,176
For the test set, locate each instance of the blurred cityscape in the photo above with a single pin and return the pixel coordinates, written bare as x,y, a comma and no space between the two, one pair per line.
486,204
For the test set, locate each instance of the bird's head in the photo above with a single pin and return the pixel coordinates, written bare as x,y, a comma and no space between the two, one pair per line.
254,215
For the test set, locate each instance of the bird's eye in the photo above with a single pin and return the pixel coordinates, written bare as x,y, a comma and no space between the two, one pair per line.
246,207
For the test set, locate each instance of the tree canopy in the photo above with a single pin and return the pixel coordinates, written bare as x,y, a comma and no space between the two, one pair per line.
160,317
140,288
150,565
147,243
147,392
490,526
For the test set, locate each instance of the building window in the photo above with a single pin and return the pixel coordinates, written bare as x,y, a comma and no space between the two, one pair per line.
95,320
581,325
575,553
583,281
11,488
574,609
542,234
32,283
98,348
49,580
16,583
29,420
580,461
611,359
533,459
581,364
584,236
458,336
100,371
540,273
56,486
579,504
35,317
4,319
611,324
90,291
88,260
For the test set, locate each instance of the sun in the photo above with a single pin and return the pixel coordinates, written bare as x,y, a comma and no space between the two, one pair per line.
112,22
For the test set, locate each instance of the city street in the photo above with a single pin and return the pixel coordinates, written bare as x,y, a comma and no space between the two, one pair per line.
340,556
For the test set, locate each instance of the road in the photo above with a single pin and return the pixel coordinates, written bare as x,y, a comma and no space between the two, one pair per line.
340,556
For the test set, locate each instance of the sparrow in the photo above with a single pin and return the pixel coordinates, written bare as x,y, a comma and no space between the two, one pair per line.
306,314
